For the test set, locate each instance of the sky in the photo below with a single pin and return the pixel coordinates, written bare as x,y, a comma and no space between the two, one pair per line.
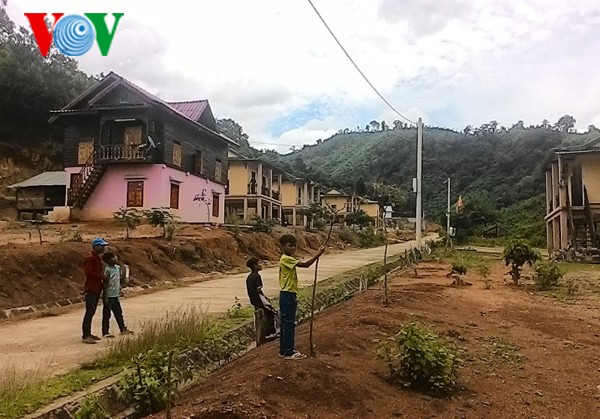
272,66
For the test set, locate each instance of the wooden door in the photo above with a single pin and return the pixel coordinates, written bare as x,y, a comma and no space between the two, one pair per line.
84,152
133,136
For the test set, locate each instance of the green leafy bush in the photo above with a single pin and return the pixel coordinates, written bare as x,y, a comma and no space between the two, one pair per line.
130,218
160,217
368,238
547,275
518,253
261,225
418,358
90,408
145,385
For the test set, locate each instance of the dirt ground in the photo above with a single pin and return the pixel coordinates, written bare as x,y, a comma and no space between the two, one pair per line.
526,355
31,273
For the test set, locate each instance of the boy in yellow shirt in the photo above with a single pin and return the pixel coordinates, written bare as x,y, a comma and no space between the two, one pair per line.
288,283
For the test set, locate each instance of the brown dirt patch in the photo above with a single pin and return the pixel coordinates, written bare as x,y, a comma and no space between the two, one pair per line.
35,274
525,356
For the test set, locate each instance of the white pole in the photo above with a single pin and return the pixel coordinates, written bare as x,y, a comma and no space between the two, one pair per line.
448,238
419,176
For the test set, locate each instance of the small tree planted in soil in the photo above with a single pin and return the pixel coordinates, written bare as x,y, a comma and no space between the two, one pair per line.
160,217
483,269
457,270
518,253
418,358
547,275
130,218
148,385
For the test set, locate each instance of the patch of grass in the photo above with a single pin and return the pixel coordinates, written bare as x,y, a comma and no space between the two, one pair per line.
504,350
568,267
26,395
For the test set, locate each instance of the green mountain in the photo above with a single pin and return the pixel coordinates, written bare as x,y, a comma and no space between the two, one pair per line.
497,171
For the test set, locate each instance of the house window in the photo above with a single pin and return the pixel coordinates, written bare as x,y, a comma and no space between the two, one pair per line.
199,162
174,196
177,153
218,170
135,194
85,150
216,207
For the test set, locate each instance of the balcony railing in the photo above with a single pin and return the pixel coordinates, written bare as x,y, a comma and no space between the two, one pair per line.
265,190
123,153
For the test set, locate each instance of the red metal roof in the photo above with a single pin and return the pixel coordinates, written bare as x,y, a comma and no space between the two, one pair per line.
192,109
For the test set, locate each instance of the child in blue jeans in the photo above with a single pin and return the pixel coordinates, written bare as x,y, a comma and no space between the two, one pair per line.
288,282
112,292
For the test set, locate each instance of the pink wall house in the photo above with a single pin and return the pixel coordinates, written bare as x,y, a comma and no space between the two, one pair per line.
160,186
126,148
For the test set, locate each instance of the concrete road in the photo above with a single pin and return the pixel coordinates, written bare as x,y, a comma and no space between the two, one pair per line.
52,345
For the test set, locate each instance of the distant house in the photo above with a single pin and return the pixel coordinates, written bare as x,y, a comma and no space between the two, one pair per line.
254,188
298,194
573,197
350,203
124,147
40,194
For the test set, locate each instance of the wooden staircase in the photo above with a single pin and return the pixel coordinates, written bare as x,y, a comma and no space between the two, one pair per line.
89,177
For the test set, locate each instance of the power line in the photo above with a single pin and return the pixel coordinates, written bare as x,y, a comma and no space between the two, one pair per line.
356,66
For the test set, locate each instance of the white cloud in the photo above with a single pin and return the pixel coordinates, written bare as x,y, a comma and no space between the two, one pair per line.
451,62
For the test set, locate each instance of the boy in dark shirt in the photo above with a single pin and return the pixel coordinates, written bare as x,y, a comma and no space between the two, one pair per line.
259,300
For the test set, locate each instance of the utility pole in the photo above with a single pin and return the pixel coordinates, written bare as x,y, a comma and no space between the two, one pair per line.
419,214
448,237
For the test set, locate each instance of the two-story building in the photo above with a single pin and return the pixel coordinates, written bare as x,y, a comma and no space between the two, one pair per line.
255,188
124,147
573,197
346,204
298,194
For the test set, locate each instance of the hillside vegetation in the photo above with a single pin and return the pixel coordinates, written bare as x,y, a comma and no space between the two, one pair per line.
498,172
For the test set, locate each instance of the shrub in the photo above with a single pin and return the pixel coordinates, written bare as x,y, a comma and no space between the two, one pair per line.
160,217
547,275
90,408
368,238
418,358
146,384
261,225
483,269
128,217
518,253
170,229
349,237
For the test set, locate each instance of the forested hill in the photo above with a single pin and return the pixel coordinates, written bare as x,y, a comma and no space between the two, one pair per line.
496,166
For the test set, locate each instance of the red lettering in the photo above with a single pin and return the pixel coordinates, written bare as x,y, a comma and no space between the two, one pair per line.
42,35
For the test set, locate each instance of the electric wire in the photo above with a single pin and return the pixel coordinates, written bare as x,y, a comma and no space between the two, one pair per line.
358,68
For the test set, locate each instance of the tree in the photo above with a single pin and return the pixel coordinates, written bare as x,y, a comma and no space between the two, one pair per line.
367,128
31,85
467,130
565,123
384,126
160,217
359,187
546,124
128,217
358,218
233,130
374,125
518,253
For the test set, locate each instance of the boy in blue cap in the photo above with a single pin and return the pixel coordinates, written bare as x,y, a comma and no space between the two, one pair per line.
92,289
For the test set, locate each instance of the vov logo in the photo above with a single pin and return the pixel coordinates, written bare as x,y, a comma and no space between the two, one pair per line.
73,35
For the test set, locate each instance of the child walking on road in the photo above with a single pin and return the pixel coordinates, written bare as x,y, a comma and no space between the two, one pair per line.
288,282
112,292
